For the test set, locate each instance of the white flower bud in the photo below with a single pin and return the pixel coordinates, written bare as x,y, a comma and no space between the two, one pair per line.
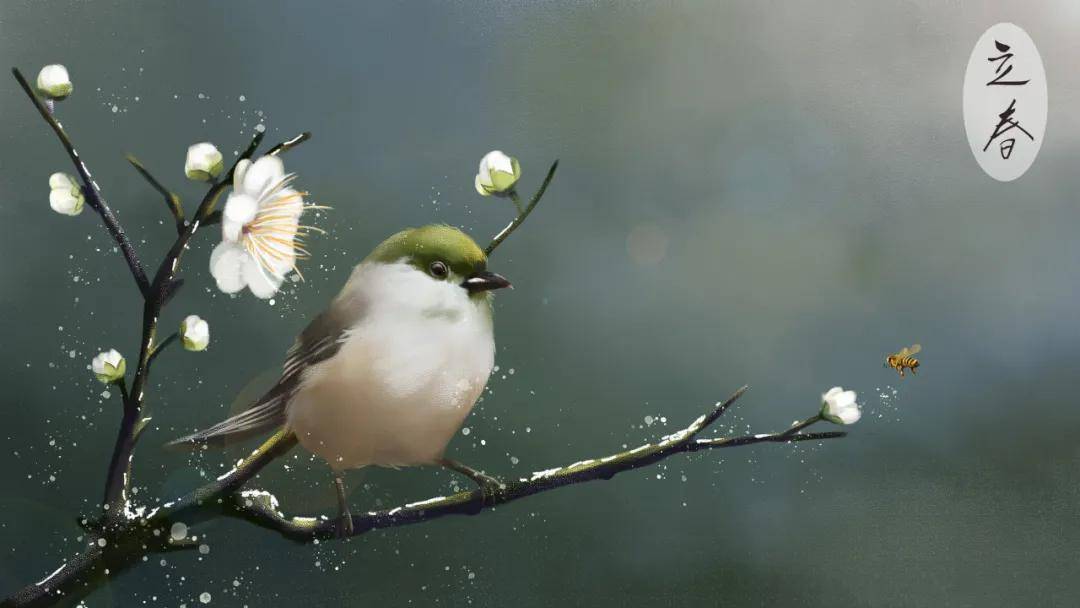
66,196
194,333
498,174
838,406
203,162
109,366
53,81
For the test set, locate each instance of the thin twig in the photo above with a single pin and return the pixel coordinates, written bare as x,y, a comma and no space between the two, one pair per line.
172,200
156,350
214,217
512,226
285,146
798,426
90,189
516,199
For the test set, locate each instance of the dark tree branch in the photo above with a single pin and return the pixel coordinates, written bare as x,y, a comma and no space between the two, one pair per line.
522,215
118,479
262,508
271,449
171,289
90,188
147,531
162,286
172,200
123,531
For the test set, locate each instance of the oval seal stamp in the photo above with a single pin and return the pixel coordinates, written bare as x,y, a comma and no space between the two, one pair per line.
1005,102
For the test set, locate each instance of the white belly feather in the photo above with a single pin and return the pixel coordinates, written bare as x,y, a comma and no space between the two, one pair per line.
404,380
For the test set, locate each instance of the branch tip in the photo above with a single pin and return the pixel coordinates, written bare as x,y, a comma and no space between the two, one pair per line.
520,219
285,146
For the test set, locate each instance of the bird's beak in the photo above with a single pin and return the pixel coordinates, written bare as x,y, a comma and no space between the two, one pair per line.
484,281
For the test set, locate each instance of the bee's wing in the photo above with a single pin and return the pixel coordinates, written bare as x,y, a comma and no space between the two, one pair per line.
913,349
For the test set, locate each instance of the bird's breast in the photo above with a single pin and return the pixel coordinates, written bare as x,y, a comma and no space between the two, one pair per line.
399,388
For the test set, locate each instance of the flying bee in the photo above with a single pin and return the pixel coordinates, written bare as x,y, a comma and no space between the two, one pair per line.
904,359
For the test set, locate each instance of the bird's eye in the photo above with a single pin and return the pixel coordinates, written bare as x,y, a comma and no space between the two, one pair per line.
438,269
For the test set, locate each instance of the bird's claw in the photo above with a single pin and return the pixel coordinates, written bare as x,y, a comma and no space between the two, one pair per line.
344,527
489,486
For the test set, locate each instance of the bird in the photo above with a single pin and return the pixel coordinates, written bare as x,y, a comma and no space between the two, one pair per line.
387,374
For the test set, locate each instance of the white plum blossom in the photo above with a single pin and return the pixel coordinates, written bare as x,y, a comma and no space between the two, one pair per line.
497,175
839,407
203,162
109,366
66,194
194,333
53,81
260,227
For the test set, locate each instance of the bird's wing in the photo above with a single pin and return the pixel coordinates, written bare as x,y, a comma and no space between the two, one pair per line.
319,341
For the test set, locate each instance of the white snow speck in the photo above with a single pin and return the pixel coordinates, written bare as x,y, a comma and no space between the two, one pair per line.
178,531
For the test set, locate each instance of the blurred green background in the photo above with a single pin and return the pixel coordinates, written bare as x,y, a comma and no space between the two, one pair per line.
766,193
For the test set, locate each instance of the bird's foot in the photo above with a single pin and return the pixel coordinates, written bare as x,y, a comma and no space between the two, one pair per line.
344,526
490,486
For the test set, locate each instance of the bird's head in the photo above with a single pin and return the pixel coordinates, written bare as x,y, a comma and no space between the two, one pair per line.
443,253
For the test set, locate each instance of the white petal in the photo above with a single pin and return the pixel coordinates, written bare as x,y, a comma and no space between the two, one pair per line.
54,81
227,266
230,230
262,283
483,184
239,172
193,326
63,201
263,173
194,333
496,161
240,209
203,161
850,415
285,200
61,180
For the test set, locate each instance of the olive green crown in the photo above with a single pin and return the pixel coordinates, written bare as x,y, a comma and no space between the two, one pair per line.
426,244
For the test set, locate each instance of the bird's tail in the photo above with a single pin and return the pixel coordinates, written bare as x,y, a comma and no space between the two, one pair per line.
263,416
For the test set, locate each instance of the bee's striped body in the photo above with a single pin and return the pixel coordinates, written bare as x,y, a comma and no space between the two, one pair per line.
904,360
